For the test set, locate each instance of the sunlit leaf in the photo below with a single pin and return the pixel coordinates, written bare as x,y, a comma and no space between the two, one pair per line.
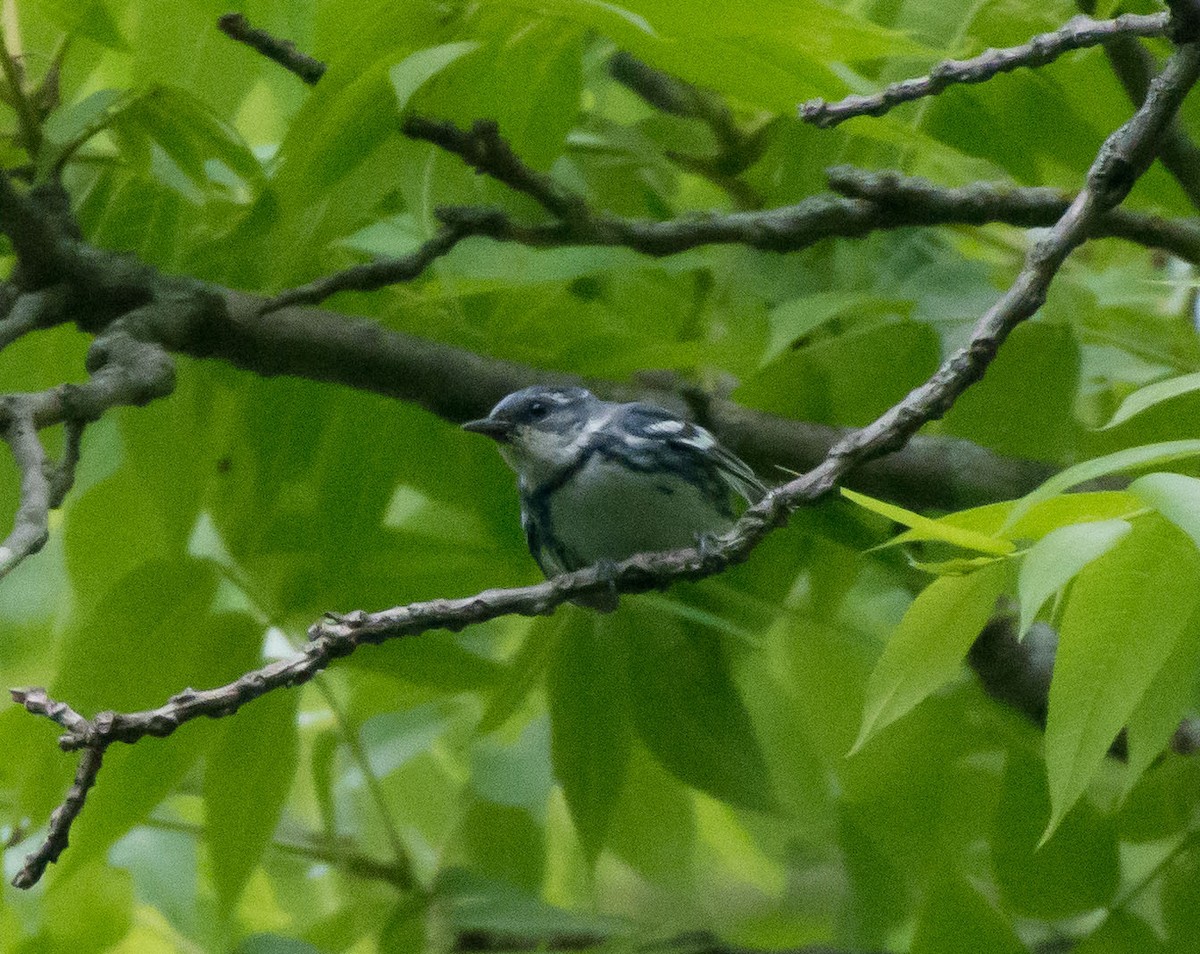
932,529
413,72
1146,455
1055,559
1152,394
928,647
1175,496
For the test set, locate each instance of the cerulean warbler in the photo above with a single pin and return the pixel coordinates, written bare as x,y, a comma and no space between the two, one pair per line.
600,481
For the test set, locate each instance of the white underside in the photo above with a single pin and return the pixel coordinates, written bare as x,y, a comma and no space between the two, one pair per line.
606,512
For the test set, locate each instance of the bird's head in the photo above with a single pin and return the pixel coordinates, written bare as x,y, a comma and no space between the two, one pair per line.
541,429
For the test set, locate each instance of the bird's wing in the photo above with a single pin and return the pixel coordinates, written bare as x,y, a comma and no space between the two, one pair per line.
697,445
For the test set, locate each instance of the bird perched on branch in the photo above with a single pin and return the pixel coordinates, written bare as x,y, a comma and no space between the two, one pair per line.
600,481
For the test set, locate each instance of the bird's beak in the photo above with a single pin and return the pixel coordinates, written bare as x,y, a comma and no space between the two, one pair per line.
497,430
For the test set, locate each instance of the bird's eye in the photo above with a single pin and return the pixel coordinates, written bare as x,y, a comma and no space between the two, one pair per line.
537,410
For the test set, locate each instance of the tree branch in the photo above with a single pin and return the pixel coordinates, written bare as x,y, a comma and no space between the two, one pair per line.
738,148
488,153
284,52
123,369
1134,66
872,202
983,204
1124,156
1076,34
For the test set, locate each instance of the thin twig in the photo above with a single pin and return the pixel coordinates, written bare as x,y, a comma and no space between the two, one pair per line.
870,202
737,149
63,817
31,523
373,275
1124,156
284,52
487,152
344,858
1076,34
401,866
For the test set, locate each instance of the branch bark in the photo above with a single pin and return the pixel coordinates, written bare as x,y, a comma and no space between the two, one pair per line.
1077,34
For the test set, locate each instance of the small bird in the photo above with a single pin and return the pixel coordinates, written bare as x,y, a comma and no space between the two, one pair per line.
600,481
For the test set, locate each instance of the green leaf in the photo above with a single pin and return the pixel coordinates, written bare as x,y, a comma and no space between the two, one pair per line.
1003,413
932,529
1142,456
247,779
1076,871
1055,559
189,132
1122,620
793,319
476,902
413,72
1153,394
1120,933
658,844
87,18
538,649
686,708
1175,496
927,649
87,912
1165,703
591,732
1035,523
955,917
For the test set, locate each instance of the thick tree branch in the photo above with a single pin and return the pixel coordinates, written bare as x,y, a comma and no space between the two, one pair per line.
983,204
1134,66
284,52
1078,33
1124,156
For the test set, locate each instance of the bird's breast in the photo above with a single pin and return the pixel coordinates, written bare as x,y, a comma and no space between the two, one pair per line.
608,512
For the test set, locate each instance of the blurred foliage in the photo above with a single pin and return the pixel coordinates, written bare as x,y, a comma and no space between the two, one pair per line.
681,765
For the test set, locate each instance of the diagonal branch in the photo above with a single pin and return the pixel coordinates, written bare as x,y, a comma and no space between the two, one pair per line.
284,52
488,153
1076,34
1134,67
1124,156
737,147
372,275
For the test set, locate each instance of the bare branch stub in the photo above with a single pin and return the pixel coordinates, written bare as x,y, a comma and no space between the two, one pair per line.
284,52
1078,33
1124,156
